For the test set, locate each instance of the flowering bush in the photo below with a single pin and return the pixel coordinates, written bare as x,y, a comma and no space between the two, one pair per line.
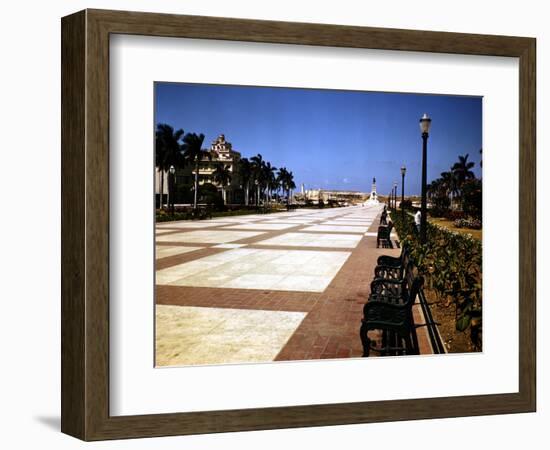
473,224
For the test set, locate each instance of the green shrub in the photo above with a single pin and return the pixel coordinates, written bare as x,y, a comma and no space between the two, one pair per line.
453,215
183,193
209,194
440,206
162,216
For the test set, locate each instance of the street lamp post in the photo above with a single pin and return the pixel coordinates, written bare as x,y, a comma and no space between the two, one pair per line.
395,195
403,171
172,172
425,123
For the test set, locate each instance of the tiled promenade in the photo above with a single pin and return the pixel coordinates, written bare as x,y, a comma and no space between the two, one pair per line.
260,288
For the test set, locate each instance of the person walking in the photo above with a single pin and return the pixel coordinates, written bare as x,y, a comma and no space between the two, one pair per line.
383,217
417,220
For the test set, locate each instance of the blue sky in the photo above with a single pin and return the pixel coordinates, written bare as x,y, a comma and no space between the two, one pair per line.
330,139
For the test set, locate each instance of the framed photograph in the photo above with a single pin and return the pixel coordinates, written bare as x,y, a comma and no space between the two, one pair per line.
273,225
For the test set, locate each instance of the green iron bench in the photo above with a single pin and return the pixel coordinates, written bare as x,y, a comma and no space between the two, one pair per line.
389,310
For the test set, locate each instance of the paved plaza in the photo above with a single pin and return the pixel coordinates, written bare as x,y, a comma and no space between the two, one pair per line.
259,288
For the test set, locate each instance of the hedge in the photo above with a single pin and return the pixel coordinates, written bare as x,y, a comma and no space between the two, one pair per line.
451,264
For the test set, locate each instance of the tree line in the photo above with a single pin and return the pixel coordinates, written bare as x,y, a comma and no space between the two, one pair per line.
457,188
260,180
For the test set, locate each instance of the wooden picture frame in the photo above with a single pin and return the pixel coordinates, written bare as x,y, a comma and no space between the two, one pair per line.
85,224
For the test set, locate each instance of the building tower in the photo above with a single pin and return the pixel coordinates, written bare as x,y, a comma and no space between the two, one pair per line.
373,199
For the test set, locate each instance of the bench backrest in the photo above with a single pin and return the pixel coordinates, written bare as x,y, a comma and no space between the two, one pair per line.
414,283
383,232
405,255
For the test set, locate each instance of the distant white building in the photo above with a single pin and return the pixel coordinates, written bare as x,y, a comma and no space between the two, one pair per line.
324,195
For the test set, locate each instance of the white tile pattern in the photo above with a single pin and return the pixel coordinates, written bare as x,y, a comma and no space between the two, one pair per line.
314,240
162,251
208,236
187,335
247,268
336,228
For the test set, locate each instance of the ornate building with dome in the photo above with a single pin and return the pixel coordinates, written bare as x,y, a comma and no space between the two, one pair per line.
221,152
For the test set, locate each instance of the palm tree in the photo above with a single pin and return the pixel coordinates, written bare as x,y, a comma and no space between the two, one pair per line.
245,172
194,154
222,176
286,180
462,170
160,151
281,178
258,164
435,188
273,185
449,184
168,151
269,178
290,185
